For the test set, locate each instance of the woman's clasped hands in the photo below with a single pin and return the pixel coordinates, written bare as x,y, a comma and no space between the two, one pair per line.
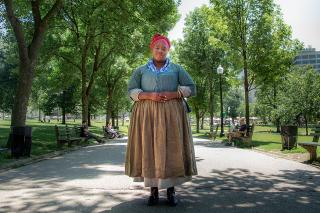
158,96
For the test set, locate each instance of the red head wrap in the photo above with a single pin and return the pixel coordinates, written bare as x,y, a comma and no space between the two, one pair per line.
158,37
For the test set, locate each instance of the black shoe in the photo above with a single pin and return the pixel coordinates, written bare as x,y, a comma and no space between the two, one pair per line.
154,197
171,197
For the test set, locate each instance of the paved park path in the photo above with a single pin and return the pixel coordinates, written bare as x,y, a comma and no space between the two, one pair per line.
230,180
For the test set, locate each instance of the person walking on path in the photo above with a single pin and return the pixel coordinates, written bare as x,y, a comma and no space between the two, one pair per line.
160,149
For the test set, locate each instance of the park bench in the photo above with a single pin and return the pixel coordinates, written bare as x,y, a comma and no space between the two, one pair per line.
246,139
311,147
78,131
67,135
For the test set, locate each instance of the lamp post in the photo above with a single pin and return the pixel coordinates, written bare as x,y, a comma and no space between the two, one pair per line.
220,72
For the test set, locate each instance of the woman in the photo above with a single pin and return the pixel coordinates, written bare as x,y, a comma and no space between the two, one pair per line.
160,149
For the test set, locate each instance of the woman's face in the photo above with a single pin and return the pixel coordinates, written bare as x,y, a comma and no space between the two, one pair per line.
160,51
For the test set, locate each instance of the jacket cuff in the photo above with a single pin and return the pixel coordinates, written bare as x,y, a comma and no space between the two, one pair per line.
185,91
134,93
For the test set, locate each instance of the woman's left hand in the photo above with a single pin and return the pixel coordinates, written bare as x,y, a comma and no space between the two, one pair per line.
169,95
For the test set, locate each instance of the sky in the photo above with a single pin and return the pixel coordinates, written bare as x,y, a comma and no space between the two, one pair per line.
302,15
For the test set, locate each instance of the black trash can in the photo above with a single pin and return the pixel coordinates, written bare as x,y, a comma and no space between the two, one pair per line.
20,140
289,136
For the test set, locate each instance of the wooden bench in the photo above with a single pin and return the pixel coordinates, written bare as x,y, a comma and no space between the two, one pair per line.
78,131
246,139
66,135
311,147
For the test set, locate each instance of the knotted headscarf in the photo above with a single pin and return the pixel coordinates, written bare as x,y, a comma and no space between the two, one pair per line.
158,37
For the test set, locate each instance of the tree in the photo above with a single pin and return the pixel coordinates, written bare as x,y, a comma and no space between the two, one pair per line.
279,52
300,96
248,26
232,103
29,43
97,30
8,76
206,55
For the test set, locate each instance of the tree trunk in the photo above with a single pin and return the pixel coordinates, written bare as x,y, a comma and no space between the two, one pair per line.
63,115
198,121
22,95
107,118
85,104
306,120
117,121
202,122
113,120
275,106
123,117
28,54
63,109
246,86
117,113
39,113
89,117
109,106
278,125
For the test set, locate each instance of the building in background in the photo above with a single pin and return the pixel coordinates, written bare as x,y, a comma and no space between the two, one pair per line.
308,56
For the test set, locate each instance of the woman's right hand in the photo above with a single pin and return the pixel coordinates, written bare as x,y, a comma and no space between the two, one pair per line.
154,96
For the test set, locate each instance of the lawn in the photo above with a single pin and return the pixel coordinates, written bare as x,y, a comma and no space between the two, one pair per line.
44,140
43,136
264,138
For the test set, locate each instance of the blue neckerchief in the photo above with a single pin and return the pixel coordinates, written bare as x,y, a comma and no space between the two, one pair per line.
153,68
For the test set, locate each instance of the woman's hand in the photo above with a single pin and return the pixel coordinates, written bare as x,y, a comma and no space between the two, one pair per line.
170,95
154,96
158,96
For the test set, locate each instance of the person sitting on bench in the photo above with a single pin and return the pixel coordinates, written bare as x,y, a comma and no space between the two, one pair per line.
112,132
238,133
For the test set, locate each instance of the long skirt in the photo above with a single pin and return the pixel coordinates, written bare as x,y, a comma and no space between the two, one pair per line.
160,149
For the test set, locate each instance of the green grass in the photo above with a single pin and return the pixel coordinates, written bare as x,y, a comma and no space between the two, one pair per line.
264,138
43,136
44,140
270,141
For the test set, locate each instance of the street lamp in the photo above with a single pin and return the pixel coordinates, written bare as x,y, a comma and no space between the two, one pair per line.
220,72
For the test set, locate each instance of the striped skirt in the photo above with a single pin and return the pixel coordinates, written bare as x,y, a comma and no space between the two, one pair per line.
160,149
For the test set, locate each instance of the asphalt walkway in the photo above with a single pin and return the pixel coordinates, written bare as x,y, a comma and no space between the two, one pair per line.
230,180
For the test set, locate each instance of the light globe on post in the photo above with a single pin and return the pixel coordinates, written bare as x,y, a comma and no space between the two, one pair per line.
220,72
